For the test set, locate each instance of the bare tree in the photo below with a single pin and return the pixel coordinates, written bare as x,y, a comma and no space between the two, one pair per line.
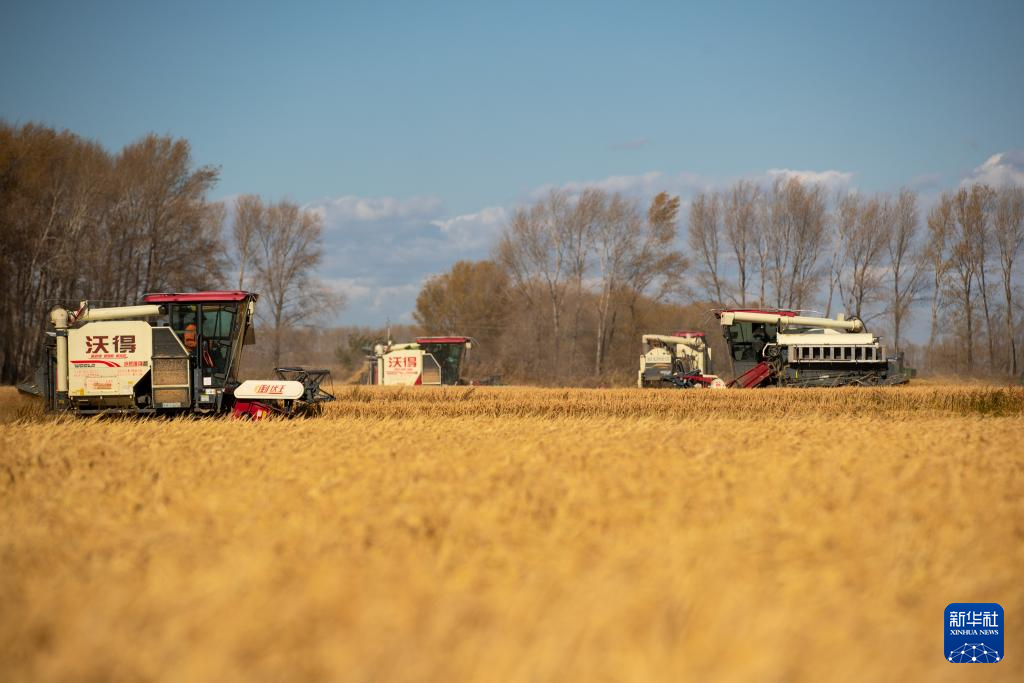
1008,226
288,248
904,268
973,213
937,257
863,244
249,212
796,231
741,215
655,267
534,251
762,245
578,234
967,211
843,221
176,239
704,238
617,232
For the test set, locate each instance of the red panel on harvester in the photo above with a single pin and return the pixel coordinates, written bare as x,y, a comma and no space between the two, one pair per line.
442,340
187,297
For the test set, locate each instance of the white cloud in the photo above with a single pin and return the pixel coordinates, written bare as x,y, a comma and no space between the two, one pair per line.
354,289
350,209
999,170
643,185
379,250
474,229
831,179
374,300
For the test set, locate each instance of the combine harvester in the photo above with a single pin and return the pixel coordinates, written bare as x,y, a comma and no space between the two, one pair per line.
783,348
679,360
173,354
774,348
428,361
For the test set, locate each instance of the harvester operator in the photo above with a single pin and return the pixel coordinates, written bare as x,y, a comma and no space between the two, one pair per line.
189,338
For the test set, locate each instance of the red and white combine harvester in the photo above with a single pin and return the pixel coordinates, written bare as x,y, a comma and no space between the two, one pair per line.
428,361
774,348
784,348
174,353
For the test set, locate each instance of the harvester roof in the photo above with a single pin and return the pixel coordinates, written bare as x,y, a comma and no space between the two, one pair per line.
199,297
442,340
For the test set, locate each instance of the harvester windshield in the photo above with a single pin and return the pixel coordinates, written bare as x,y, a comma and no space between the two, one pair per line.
747,339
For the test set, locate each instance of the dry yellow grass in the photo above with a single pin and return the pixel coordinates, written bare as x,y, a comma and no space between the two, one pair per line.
515,535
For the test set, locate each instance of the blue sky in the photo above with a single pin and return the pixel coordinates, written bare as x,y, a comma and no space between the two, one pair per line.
414,127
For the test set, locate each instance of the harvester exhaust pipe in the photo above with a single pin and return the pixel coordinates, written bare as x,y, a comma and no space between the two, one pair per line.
119,313
59,318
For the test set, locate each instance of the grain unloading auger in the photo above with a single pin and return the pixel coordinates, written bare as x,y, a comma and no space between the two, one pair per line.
782,348
173,354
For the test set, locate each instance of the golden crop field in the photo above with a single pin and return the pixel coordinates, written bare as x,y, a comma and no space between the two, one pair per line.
512,534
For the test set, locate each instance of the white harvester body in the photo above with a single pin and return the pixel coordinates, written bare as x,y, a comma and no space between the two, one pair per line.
669,357
108,358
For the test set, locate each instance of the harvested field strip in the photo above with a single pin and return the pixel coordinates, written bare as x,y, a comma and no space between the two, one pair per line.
460,402
891,402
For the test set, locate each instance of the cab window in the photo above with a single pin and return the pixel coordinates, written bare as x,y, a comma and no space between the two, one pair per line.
218,321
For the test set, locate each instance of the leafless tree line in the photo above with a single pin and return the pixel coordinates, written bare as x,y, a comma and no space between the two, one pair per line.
589,259
79,222
755,245
575,280
777,246
975,237
572,279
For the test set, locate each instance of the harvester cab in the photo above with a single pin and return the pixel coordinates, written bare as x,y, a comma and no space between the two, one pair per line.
174,353
784,348
212,328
